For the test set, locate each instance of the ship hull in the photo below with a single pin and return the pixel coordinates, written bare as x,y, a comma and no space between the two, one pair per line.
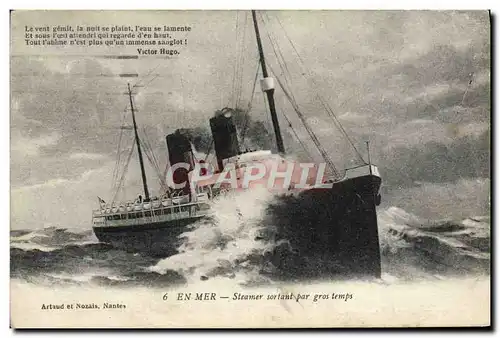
155,239
329,232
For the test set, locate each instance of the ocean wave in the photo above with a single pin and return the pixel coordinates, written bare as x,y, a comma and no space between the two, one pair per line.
50,238
412,247
231,246
225,244
236,245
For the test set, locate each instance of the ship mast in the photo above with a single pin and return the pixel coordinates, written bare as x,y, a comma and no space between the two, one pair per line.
138,143
268,87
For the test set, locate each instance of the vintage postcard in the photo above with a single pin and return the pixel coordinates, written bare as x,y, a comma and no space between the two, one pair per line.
250,169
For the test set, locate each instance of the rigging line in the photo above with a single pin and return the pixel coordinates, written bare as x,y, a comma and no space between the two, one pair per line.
243,56
238,63
80,75
281,60
118,151
150,157
283,69
153,159
239,52
254,85
146,146
210,148
57,91
280,64
233,93
325,104
283,65
182,119
290,40
122,179
153,69
313,136
145,76
149,151
247,118
116,182
238,67
167,188
296,135
471,78
339,125
157,171
115,173
117,160
147,84
296,52
334,117
266,107
274,42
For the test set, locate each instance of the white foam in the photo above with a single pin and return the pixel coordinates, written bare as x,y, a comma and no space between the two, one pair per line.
224,243
27,246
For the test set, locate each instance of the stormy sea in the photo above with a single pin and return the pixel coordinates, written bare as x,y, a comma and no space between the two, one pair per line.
228,247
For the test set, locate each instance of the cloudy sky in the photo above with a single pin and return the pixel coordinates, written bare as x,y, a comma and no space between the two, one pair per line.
416,84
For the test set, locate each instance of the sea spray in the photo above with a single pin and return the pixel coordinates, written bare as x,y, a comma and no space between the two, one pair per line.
415,248
224,244
234,248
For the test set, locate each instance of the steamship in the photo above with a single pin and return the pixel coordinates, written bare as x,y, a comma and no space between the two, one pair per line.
338,223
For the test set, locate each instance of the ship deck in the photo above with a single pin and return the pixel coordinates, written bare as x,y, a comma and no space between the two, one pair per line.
151,212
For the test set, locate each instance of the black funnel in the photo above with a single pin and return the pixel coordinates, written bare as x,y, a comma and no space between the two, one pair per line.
225,137
179,151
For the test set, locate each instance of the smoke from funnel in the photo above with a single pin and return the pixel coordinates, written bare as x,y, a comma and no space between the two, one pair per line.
251,134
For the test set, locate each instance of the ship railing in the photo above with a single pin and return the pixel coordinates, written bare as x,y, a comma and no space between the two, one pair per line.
173,203
142,218
356,171
152,216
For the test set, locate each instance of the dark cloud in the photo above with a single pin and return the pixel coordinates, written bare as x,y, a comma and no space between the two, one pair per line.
252,134
468,157
35,170
384,73
81,103
443,65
